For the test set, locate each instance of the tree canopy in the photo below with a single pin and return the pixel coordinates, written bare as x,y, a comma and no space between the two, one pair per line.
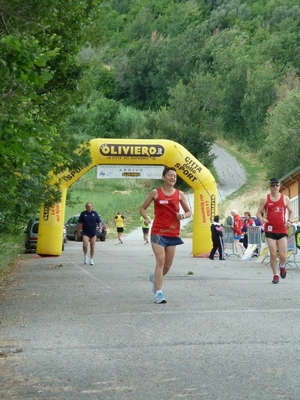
40,83
203,69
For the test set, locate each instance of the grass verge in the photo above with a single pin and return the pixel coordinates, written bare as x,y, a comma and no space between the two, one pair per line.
11,250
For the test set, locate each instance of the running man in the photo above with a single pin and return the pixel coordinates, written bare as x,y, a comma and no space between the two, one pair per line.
272,213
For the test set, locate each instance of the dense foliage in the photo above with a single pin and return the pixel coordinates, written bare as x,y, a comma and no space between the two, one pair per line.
189,71
40,75
202,69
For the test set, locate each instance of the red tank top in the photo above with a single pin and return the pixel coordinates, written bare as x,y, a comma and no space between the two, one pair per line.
275,214
165,218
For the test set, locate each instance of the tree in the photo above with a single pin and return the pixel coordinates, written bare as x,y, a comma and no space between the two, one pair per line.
190,118
281,151
260,94
40,73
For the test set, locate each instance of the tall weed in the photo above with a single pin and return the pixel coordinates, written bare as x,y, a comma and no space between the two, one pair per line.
10,247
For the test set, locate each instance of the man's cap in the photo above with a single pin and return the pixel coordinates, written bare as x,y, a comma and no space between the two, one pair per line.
274,180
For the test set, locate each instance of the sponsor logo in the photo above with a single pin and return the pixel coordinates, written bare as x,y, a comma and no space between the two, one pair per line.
69,176
46,214
131,174
213,205
208,208
131,150
189,169
55,211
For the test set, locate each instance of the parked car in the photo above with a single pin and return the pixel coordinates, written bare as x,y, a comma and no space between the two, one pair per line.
72,226
31,235
102,234
65,234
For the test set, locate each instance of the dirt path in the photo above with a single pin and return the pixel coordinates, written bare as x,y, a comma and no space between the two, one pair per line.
231,174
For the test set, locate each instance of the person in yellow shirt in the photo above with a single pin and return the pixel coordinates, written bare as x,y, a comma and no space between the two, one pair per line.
145,228
119,222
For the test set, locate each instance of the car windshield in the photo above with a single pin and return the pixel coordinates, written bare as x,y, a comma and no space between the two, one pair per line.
35,228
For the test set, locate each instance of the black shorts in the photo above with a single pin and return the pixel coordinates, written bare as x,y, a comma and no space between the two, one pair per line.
275,236
145,230
89,234
120,229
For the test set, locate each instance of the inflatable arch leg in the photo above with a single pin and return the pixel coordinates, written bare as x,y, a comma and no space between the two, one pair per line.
137,152
51,228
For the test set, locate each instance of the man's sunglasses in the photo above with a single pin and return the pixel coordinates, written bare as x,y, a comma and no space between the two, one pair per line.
275,184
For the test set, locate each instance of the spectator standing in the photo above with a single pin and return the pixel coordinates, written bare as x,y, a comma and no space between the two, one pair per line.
89,223
217,239
145,228
272,213
237,225
119,222
258,223
166,227
247,222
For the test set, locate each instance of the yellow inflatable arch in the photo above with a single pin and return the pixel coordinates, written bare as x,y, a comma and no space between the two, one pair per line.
137,152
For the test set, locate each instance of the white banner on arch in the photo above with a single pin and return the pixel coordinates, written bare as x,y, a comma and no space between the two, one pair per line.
129,171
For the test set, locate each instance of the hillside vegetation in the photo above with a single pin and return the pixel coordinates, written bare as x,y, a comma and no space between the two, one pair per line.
194,71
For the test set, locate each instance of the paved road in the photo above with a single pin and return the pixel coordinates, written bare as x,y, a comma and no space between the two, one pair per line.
70,331
230,173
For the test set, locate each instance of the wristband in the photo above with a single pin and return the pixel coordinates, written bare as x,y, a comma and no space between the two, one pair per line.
183,216
289,221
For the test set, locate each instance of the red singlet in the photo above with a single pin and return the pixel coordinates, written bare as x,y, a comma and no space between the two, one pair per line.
165,218
275,214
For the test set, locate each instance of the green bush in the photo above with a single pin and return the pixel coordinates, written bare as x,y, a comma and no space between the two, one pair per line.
10,247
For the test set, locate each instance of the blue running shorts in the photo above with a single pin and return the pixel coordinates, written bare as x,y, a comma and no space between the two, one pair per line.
166,241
